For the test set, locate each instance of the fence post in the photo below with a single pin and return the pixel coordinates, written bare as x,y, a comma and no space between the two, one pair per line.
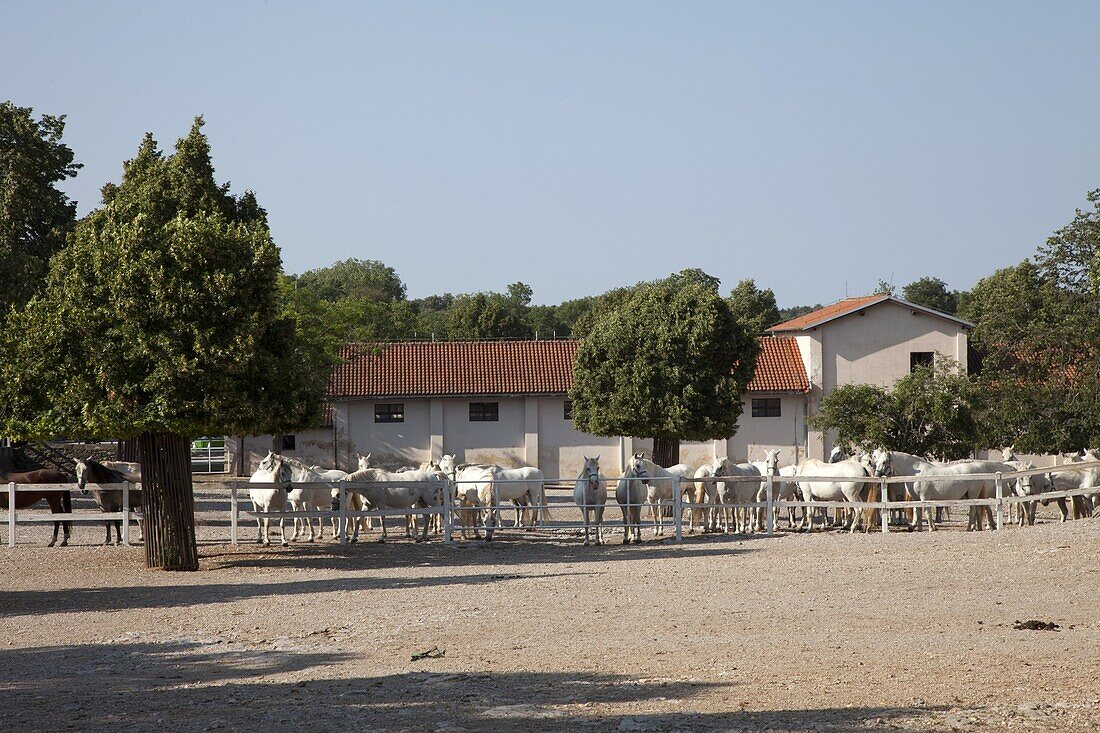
448,513
678,508
126,513
11,514
233,513
342,522
1000,502
771,504
884,495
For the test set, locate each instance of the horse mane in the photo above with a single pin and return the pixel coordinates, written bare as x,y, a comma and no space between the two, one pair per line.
107,471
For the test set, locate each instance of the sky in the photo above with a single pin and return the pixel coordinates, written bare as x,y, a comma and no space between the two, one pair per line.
580,146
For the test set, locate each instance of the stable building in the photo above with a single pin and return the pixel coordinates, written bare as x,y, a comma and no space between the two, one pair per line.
506,402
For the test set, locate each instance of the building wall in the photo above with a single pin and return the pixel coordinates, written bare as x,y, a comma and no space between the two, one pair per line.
314,447
391,445
871,347
562,448
757,435
501,442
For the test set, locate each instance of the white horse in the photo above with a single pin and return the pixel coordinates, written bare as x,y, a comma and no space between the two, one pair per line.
307,499
267,490
706,493
662,490
767,467
528,491
847,484
590,494
955,485
467,481
418,489
1078,506
131,471
732,493
631,492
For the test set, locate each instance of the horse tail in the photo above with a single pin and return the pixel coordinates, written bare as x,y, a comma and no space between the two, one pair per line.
544,510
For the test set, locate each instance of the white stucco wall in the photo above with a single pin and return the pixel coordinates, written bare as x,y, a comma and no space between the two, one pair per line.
391,445
314,447
872,347
562,448
501,442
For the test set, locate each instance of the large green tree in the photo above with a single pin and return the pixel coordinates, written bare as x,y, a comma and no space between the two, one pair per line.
161,320
666,360
931,292
354,279
935,411
34,214
754,307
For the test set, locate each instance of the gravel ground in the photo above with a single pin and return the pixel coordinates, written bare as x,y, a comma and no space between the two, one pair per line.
826,632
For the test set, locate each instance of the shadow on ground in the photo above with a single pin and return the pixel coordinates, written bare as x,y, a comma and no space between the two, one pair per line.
196,685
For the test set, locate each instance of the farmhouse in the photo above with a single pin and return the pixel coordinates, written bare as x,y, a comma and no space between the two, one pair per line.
506,402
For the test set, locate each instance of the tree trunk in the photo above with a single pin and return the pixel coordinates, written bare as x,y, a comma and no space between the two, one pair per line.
666,451
167,502
128,450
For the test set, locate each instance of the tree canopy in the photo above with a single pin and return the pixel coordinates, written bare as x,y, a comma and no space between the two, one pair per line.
354,279
665,359
931,292
161,315
755,308
35,215
935,411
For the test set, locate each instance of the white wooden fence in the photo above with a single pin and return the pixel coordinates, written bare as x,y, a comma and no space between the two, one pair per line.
126,515
447,509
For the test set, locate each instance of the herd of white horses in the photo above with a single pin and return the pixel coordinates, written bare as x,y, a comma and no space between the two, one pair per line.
722,496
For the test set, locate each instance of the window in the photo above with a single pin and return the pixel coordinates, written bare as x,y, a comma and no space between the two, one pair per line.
766,407
921,359
484,411
389,413
567,412
287,442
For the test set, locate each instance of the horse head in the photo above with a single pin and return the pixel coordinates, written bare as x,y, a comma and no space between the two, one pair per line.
771,462
591,471
881,463
447,465
82,474
1008,454
837,454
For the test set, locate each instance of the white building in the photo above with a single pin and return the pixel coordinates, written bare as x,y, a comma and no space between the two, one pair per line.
506,402
875,339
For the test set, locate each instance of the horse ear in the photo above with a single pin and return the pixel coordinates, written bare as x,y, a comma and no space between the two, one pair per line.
597,457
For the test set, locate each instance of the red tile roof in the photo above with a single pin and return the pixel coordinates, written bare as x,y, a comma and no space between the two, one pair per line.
829,312
461,368
779,368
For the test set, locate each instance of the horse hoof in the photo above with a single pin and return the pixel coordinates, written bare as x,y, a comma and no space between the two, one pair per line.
586,543
51,543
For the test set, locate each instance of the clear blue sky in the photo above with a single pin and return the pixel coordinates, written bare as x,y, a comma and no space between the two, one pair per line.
581,146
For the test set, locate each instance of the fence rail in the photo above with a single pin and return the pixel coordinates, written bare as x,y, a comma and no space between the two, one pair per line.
447,508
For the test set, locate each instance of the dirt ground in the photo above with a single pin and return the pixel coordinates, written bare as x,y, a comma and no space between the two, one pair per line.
825,632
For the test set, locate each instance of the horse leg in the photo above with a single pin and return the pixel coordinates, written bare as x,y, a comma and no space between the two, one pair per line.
282,530
584,512
599,525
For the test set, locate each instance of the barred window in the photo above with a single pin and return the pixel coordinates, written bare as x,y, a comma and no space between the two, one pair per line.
287,442
484,411
389,413
567,412
919,359
766,407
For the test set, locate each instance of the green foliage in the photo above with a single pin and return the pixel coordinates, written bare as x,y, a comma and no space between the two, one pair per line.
861,415
933,411
884,287
360,280
1037,336
931,292
1071,256
786,314
753,307
162,315
34,215
664,359
489,315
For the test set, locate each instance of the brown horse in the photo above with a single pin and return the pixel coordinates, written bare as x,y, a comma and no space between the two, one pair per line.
90,471
60,501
